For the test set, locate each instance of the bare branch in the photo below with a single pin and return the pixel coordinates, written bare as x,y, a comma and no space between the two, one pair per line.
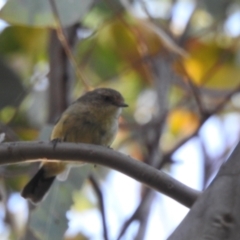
99,194
216,110
17,152
197,97
139,213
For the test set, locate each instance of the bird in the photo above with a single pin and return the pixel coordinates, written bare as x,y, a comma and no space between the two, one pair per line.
93,119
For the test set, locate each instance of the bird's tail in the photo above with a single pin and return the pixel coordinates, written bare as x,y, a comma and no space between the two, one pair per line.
38,186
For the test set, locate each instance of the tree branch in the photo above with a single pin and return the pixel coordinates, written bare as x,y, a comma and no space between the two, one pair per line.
215,215
139,213
64,42
99,195
17,152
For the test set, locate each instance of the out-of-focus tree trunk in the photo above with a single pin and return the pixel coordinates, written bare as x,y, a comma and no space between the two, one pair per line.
216,214
59,75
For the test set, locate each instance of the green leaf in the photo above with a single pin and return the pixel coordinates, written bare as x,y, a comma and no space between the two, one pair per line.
25,49
207,67
39,13
48,220
19,39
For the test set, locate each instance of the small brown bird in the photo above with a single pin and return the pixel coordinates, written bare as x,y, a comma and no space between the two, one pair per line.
93,119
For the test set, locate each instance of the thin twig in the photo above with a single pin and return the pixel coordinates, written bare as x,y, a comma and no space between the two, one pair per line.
207,164
99,194
138,212
194,90
63,40
143,219
196,95
217,109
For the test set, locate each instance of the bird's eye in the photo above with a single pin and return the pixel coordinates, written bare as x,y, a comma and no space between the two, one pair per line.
107,98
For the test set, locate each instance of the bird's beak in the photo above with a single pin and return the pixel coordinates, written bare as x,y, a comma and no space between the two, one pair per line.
123,105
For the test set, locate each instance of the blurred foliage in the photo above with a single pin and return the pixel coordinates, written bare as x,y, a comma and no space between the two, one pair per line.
114,48
119,47
77,237
23,48
212,65
217,8
82,201
183,122
39,13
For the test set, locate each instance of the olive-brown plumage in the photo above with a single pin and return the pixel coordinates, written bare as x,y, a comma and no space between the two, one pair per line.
92,118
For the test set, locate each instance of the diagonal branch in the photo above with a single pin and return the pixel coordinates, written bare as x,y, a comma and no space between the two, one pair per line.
64,42
17,152
216,110
139,212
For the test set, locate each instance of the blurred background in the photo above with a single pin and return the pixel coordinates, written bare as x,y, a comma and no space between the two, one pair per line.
177,64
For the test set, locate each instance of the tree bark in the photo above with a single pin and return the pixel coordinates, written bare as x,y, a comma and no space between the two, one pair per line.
59,75
216,214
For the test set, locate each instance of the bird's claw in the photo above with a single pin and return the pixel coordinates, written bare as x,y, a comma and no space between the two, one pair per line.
55,142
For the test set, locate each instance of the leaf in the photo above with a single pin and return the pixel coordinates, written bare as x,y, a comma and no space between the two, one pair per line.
156,36
211,66
7,114
12,91
25,50
82,201
120,47
48,220
183,122
26,133
21,39
39,13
